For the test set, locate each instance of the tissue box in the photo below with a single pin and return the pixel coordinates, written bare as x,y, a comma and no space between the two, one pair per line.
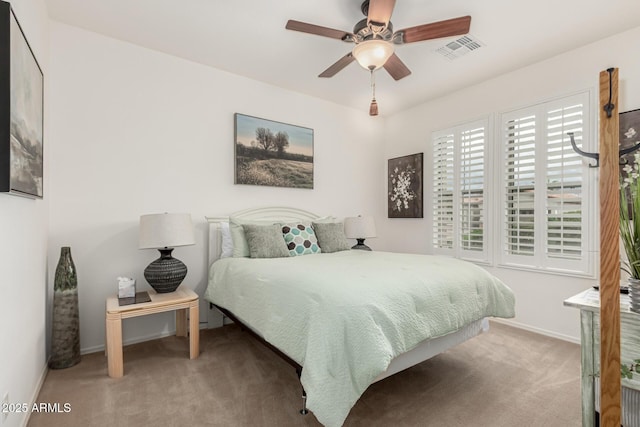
126,287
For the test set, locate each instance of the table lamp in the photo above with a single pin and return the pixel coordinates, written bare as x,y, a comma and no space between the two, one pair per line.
360,228
164,232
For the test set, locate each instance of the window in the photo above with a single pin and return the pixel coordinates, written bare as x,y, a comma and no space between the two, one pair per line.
460,191
539,214
543,185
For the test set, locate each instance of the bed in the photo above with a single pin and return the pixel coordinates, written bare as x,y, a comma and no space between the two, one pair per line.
348,318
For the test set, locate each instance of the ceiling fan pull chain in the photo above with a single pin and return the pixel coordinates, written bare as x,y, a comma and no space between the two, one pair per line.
373,84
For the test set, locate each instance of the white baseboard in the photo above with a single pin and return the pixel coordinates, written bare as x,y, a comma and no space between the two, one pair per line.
135,340
36,392
575,340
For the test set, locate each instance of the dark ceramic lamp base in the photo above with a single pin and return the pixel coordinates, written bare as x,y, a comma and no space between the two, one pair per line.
361,245
166,273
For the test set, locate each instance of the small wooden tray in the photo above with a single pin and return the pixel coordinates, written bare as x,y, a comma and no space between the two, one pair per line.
139,298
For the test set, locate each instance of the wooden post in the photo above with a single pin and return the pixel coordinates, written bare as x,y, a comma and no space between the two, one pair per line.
609,254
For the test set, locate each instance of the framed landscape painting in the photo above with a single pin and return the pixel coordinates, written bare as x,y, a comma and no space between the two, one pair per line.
405,187
21,111
272,153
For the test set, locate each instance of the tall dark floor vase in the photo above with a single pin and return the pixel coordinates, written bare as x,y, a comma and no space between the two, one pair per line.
65,337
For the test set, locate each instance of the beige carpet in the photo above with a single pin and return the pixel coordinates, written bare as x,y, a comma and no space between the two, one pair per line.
507,377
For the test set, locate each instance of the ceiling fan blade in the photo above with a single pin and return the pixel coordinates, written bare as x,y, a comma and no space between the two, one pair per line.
396,68
435,30
380,11
317,30
338,65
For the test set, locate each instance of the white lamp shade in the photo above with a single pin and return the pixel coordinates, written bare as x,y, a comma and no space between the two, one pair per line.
359,227
165,230
372,53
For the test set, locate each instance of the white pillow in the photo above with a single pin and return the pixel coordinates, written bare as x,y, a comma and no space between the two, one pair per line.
227,242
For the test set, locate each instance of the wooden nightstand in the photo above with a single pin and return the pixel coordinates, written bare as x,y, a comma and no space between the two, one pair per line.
180,301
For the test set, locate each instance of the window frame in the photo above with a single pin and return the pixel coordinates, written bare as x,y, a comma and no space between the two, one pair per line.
541,261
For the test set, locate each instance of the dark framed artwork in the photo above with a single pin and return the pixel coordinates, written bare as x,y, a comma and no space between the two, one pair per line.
404,187
629,131
21,111
629,136
272,153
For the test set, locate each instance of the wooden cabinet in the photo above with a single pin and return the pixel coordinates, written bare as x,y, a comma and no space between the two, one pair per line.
589,304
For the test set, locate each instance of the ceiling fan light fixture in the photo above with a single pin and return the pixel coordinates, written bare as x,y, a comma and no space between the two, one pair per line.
372,53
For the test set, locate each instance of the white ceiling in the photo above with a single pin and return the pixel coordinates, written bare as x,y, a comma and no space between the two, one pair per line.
248,37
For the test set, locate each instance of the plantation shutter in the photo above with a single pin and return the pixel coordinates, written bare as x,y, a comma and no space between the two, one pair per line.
472,164
564,183
545,184
460,166
443,187
519,184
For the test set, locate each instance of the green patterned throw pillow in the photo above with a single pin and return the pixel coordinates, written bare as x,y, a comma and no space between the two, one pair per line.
300,239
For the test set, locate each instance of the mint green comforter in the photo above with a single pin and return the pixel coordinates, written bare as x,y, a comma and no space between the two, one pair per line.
344,316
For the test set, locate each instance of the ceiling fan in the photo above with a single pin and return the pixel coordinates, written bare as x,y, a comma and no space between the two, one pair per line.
374,38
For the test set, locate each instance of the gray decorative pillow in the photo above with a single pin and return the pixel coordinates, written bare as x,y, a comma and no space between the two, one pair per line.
265,241
331,236
240,246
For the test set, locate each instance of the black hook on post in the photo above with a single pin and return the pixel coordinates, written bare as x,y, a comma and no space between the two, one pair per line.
596,156
608,108
626,151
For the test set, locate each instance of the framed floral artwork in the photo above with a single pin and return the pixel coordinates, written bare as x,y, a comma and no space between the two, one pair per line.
404,189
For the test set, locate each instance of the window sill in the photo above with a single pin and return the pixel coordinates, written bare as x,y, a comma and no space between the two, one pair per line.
552,271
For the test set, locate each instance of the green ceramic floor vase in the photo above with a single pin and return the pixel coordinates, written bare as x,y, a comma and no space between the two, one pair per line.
65,337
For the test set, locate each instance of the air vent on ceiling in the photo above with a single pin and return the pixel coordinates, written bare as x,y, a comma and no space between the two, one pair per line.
459,47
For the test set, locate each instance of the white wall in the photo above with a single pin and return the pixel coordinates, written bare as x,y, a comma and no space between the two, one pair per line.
138,131
23,232
539,296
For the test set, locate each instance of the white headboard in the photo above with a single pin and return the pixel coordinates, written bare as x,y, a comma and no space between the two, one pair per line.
258,214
